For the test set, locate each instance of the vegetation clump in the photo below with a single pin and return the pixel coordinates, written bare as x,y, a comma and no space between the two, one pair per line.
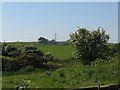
28,56
49,56
28,69
90,45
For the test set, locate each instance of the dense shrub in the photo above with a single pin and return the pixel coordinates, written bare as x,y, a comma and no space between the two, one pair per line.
3,48
10,51
112,50
30,56
0,48
10,64
90,44
31,59
31,49
118,47
28,69
49,56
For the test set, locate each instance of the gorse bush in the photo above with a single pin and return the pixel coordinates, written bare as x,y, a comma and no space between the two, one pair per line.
49,56
10,51
10,64
28,56
31,49
28,69
90,45
31,59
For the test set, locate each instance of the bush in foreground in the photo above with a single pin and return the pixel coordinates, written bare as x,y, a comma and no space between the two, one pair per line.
28,69
90,45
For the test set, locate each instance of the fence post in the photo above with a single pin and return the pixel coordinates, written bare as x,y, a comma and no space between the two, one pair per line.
98,86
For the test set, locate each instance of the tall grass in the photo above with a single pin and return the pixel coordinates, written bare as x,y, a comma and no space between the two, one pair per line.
71,74
74,75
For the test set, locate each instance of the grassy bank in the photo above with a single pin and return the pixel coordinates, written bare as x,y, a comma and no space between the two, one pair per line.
70,74
73,75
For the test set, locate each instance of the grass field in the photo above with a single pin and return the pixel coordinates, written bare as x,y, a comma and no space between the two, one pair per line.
71,74
61,52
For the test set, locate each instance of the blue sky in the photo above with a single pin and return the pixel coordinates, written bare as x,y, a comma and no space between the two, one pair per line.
28,21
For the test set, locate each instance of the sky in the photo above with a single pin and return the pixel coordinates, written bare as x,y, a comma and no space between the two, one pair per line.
27,21
59,0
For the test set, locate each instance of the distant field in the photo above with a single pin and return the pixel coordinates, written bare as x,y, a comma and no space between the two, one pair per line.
61,52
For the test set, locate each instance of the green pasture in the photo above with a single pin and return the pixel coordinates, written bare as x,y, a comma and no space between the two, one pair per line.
61,52
71,74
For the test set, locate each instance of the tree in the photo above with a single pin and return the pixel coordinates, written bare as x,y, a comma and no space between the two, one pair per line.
90,45
43,40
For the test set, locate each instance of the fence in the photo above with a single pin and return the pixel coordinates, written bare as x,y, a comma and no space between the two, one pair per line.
106,87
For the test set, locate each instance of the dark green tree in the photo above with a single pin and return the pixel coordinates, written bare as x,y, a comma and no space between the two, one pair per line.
43,40
90,45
